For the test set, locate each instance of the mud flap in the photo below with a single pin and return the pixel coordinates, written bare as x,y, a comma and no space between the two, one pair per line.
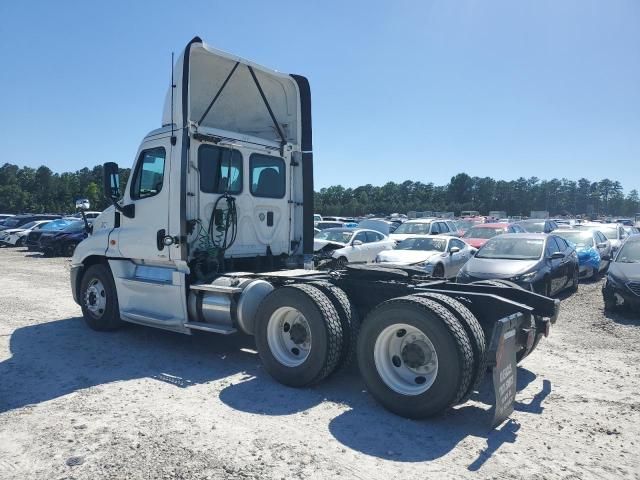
503,346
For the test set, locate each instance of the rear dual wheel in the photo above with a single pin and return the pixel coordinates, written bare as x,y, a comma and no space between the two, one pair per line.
415,356
298,334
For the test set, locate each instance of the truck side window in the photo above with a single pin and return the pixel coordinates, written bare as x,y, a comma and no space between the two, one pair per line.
266,176
220,169
149,174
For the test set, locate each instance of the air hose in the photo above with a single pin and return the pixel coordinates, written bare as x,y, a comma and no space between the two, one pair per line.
216,239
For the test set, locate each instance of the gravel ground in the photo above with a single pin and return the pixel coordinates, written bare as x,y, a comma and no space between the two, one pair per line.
145,404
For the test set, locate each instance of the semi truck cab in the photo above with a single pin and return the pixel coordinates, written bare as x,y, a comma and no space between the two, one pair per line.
219,187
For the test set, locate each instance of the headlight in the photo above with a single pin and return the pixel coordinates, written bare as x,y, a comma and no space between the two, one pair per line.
525,277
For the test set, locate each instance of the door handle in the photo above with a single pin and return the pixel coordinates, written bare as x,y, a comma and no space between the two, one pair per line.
160,238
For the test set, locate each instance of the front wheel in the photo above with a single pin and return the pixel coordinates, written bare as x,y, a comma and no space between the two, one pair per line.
438,271
98,299
20,242
575,280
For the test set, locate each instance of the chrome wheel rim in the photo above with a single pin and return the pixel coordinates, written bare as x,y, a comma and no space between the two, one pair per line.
95,297
405,359
289,336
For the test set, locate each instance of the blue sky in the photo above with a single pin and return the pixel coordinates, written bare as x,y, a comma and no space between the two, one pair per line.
416,90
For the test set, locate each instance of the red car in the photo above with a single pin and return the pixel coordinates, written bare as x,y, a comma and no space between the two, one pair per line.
478,235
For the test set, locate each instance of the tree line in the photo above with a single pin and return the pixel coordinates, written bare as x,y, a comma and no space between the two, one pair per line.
463,192
39,190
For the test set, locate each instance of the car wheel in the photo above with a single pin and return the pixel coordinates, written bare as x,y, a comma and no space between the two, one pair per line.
99,299
575,280
20,242
69,248
609,302
341,262
438,271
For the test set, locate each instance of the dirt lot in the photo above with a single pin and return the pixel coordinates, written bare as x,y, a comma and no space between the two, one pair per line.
141,403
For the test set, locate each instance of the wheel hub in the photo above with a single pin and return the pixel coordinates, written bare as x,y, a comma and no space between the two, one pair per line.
95,298
416,354
405,359
289,336
298,334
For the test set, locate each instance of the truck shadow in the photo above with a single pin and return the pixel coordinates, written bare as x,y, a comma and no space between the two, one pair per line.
368,428
57,358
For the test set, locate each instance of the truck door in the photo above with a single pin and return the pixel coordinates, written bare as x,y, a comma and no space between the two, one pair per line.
270,199
148,189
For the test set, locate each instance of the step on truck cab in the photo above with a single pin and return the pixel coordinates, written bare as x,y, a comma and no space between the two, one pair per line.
214,232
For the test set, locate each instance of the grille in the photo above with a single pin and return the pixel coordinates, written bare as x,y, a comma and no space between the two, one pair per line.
634,287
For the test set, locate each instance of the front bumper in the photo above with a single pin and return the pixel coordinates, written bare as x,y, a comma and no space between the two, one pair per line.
622,296
76,274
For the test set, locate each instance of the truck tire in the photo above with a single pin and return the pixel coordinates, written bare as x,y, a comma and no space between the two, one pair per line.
298,335
475,333
99,299
349,320
414,356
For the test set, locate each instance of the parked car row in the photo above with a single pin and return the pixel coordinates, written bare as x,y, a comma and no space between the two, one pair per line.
57,236
547,263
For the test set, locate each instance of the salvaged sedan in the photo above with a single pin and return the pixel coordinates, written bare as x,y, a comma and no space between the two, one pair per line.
348,245
440,256
622,287
543,263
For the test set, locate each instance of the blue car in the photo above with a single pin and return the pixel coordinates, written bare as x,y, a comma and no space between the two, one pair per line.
594,255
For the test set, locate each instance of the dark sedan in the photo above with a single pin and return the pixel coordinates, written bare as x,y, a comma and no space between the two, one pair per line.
63,242
545,264
622,287
33,239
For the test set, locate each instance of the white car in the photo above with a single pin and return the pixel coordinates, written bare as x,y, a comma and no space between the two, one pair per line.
15,237
422,226
614,232
348,245
439,255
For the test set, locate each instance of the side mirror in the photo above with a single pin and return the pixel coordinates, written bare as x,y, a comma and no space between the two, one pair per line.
82,204
557,255
453,250
111,181
356,243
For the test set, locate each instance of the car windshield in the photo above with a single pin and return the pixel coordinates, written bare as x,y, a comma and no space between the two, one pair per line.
577,237
341,236
483,232
56,225
629,253
74,227
437,244
28,225
413,228
12,222
610,232
512,248
532,226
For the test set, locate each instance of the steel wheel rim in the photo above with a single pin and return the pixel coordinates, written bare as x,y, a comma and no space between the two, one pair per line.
289,336
95,297
405,359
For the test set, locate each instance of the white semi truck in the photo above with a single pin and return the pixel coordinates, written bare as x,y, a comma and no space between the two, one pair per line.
214,232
